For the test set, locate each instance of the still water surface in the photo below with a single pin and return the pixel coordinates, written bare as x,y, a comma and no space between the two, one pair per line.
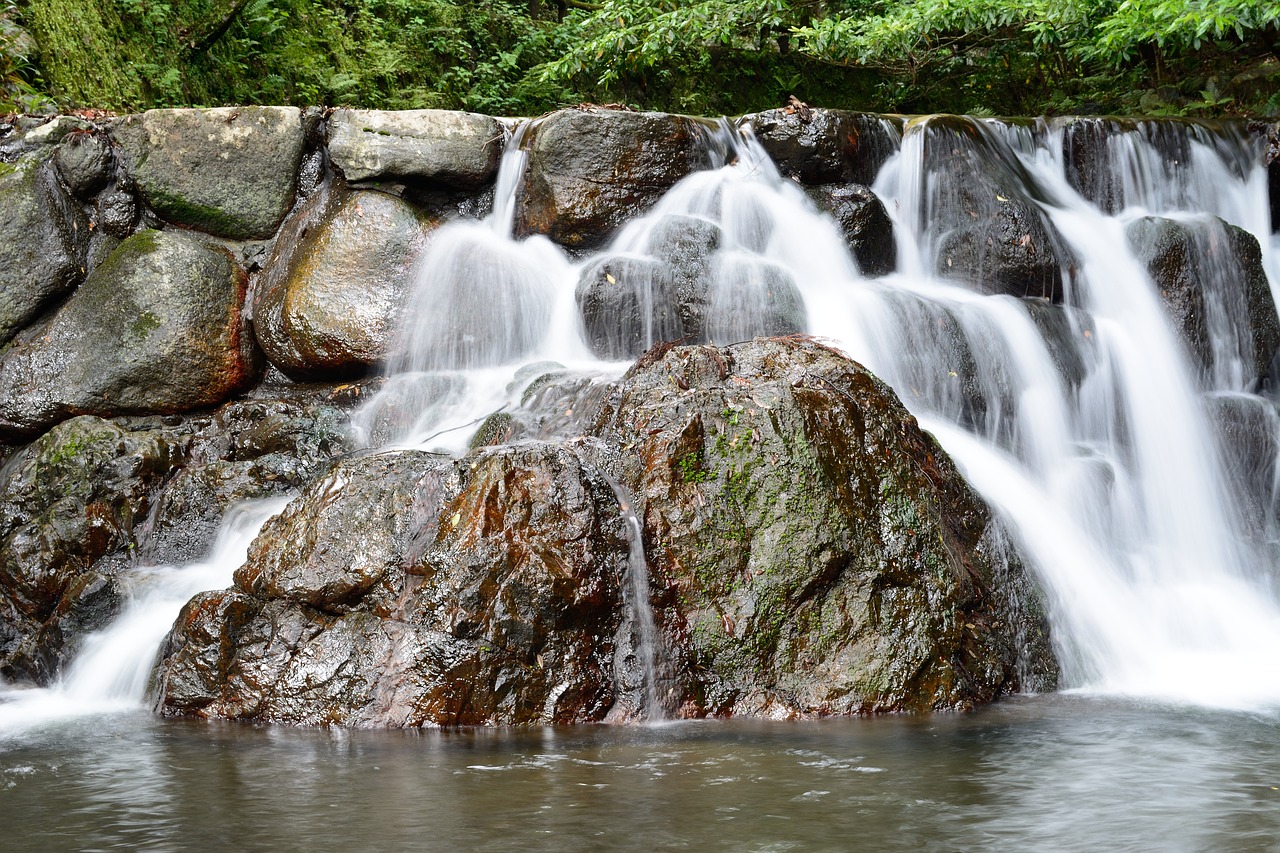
1054,772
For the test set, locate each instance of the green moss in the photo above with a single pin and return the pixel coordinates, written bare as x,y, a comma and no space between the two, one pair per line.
207,218
144,325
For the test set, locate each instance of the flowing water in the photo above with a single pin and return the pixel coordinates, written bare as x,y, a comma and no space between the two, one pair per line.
1090,427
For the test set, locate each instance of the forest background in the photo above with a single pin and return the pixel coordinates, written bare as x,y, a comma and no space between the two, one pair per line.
985,57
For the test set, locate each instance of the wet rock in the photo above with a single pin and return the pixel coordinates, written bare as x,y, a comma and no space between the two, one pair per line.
751,297
157,327
1089,161
983,204
406,590
1248,427
85,162
43,236
116,212
1210,276
250,449
686,244
827,147
627,305
70,507
811,550
456,149
864,222
590,171
1271,157
231,172
329,298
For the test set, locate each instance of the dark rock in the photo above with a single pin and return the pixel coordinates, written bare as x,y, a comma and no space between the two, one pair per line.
864,222
1009,251
329,298
1089,160
250,449
406,590
686,244
1271,157
983,204
811,550
627,305
156,328
832,146
1248,427
1210,276
590,171
436,146
751,297
68,502
85,162
43,235
231,172
116,212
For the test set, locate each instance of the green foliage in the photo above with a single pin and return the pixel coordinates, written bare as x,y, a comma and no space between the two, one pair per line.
699,56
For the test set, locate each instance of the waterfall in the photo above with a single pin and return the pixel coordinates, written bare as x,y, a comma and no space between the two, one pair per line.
1088,425
112,670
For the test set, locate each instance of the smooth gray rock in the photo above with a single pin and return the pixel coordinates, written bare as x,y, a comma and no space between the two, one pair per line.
44,237
448,147
157,327
231,171
330,297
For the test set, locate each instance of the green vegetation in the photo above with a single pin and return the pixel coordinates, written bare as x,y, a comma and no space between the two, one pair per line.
703,56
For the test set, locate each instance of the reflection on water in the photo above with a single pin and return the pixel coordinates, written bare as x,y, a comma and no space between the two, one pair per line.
1045,773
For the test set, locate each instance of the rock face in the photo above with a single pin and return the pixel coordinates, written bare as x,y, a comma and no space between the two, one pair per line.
231,172
589,171
865,224
811,550
405,590
43,242
820,146
70,507
1210,277
436,146
993,235
329,297
157,327
91,498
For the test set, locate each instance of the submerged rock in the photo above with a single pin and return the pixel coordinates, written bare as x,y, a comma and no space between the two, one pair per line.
1213,285
405,589
590,171
457,149
329,298
157,327
811,550
43,243
231,172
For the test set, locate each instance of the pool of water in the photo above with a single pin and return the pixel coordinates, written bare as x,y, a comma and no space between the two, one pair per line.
1056,772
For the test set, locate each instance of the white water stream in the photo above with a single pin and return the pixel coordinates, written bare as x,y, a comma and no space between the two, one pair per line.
1113,481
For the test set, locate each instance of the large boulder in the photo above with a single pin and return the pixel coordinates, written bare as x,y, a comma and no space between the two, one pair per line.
447,147
993,235
231,172
819,146
157,327
1210,276
864,222
71,505
405,589
811,550
590,171
329,298
43,238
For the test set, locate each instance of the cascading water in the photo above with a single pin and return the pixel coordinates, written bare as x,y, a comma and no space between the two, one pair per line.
1086,424
113,668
